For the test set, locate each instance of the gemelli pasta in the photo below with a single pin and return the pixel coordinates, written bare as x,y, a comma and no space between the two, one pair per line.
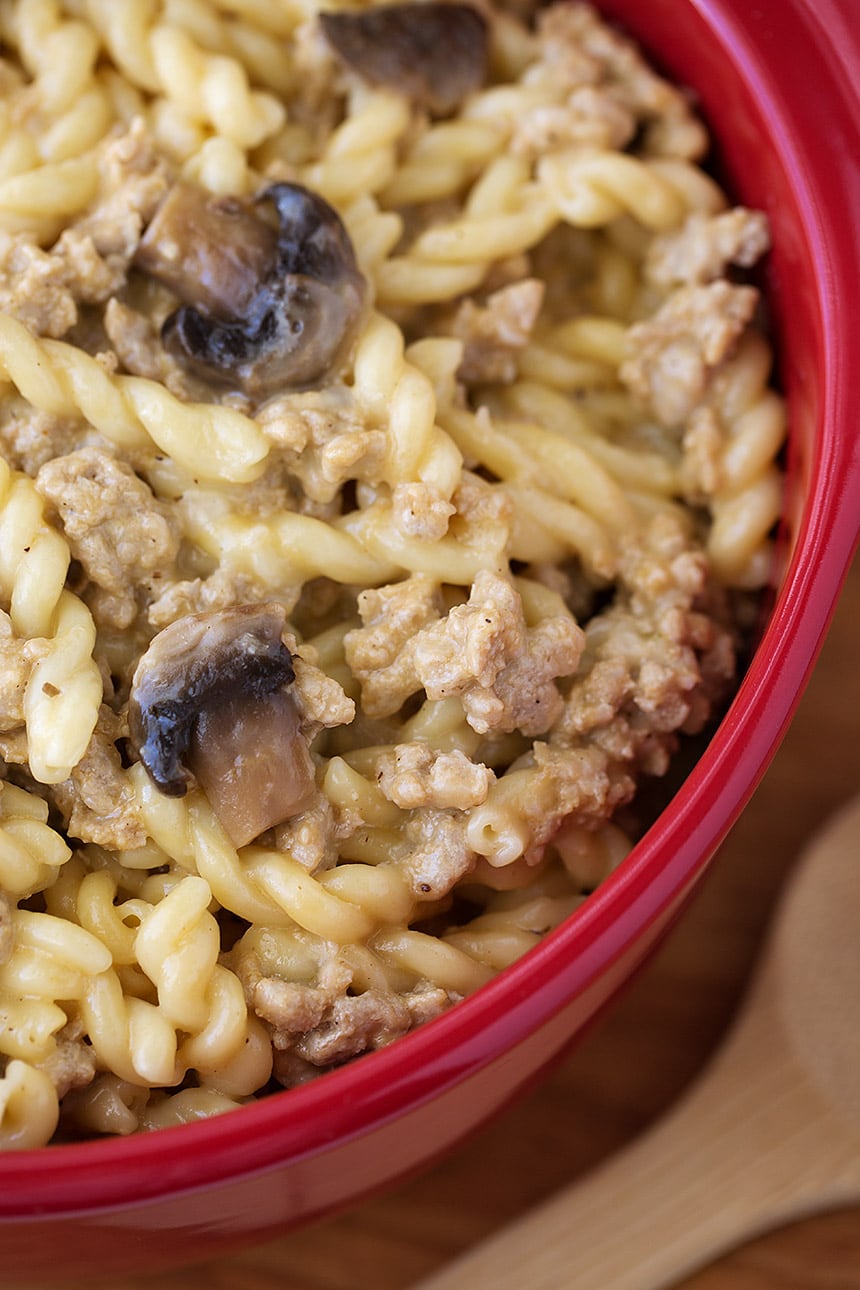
388,461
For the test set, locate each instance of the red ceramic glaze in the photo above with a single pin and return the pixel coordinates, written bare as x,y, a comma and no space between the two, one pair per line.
777,82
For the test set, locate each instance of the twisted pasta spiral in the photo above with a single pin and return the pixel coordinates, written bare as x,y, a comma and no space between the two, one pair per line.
211,440
64,689
161,57
747,497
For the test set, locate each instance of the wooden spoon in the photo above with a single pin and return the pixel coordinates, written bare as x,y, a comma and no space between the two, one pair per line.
770,1131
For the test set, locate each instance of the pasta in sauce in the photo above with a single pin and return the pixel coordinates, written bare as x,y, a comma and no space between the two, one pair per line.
388,453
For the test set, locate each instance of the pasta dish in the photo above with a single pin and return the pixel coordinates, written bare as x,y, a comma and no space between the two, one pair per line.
388,466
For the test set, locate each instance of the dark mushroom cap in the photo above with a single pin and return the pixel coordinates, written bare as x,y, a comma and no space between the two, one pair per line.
264,308
195,664
433,53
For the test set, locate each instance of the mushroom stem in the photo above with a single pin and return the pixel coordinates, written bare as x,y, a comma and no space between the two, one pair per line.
213,252
252,763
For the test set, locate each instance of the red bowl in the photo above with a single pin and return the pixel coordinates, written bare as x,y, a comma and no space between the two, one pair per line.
776,83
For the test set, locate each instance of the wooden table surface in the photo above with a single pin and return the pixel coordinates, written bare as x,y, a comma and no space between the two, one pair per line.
629,1068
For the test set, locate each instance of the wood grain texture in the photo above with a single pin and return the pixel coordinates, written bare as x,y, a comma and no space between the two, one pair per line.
630,1067
768,1134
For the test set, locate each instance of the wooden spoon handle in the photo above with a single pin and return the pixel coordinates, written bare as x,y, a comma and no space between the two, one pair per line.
751,1146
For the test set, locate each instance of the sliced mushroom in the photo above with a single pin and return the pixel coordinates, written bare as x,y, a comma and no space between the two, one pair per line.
264,307
253,764
433,53
214,251
209,705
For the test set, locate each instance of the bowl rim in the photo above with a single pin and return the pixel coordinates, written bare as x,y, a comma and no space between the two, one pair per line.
345,1104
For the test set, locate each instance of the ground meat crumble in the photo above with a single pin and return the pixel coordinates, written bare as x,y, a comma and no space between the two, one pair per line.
125,540
673,353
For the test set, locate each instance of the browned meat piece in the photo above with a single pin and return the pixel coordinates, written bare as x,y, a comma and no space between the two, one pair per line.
97,801
125,540
44,288
659,661
591,116
705,247
355,1024
315,1026
415,775
17,659
439,853
30,437
311,837
73,1062
419,511
320,700
381,653
89,261
583,50
290,1007
137,345
503,671
673,353
327,440
133,182
493,334
200,596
